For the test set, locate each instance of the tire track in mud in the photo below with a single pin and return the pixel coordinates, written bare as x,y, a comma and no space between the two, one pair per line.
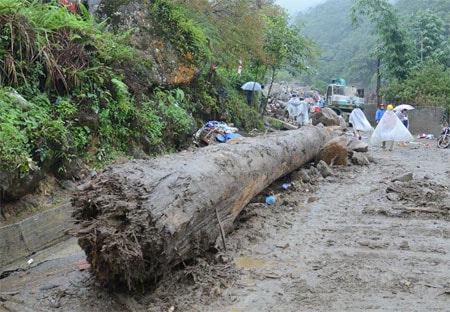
341,258
332,246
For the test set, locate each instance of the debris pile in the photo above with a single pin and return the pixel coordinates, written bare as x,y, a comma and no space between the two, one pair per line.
215,132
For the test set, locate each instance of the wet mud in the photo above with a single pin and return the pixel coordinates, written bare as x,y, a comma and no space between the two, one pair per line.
366,238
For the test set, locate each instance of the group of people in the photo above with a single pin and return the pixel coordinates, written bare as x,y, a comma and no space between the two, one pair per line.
392,125
298,110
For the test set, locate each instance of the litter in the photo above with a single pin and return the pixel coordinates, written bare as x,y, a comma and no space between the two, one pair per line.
270,199
215,132
83,264
425,136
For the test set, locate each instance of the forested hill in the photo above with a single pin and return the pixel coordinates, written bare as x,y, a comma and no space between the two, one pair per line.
350,52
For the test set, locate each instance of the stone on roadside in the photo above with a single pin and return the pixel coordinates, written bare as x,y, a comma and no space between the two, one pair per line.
327,117
404,177
301,175
324,169
360,159
334,152
356,145
342,122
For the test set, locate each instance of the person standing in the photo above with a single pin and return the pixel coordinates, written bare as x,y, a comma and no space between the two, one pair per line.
249,97
263,100
359,122
379,113
294,108
303,118
403,116
390,129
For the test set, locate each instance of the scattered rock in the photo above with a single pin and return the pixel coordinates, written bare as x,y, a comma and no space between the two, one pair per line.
324,169
359,159
334,152
342,122
404,245
313,171
301,175
312,199
404,177
327,117
357,145
393,197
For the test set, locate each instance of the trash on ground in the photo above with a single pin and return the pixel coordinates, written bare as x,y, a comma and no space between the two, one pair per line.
425,136
215,132
270,199
83,264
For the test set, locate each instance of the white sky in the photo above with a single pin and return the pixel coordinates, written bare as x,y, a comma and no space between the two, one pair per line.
294,6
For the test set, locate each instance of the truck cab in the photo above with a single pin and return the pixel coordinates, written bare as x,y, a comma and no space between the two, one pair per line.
341,98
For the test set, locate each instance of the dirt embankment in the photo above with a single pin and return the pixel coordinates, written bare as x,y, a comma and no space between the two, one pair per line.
370,237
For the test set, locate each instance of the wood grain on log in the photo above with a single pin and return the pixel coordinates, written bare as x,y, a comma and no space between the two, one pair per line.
144,217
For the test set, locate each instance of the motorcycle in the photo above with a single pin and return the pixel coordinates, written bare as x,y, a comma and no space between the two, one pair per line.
443,140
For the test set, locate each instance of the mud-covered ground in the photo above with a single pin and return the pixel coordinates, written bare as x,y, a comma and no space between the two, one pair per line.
367,238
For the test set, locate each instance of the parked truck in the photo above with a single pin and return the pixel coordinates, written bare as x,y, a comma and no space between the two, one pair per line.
342,98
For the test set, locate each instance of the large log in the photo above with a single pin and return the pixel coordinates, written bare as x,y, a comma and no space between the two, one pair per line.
142,218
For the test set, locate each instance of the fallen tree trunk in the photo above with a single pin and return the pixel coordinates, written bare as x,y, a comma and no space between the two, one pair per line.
286,125
144,217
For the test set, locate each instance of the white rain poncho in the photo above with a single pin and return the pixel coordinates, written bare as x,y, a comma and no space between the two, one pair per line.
359,121
390,128
298,110
294,107
304,116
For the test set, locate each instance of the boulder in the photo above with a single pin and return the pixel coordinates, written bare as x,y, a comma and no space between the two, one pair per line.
327,117
334,152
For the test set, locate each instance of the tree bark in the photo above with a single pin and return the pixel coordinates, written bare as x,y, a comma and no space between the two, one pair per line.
144,217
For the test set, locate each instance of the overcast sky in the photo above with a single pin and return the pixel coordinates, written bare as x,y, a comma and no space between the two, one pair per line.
294,6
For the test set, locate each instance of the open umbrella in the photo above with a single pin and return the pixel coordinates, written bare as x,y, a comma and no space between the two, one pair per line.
251,86
403,106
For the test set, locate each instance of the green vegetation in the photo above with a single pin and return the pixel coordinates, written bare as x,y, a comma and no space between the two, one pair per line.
406,40
174,23
429,86
72,87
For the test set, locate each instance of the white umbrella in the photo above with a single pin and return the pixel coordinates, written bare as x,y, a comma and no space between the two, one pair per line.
404,106
251,86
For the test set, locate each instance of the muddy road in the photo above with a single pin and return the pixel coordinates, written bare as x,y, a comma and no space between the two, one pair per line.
366,238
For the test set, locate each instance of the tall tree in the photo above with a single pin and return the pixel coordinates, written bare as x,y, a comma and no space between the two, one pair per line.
285,48
344,50
427,32
394,48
